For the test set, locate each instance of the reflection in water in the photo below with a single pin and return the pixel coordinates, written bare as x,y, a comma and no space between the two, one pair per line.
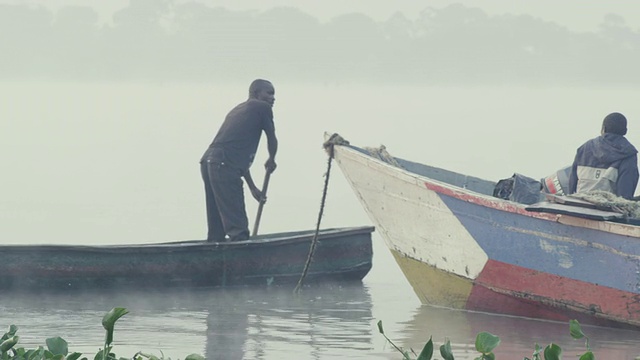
518,335
237,323
322,322
319,321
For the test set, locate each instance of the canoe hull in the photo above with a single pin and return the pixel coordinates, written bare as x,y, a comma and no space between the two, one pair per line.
467,250
340,255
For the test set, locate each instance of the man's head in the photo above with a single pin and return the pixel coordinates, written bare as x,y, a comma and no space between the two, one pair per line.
614,123
262,90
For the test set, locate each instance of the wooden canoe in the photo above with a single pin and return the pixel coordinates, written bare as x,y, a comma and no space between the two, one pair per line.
341,254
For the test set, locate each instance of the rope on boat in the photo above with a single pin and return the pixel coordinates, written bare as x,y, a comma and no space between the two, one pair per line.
328,145
381,153
606,200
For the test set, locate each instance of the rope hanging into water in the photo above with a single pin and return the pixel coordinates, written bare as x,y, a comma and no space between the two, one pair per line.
328,147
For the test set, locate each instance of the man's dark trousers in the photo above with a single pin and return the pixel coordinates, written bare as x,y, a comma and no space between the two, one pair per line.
226,213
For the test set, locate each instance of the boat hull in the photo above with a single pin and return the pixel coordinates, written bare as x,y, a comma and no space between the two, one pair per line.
467,250
340,255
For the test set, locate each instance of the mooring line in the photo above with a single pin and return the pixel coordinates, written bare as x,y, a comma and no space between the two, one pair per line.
329,148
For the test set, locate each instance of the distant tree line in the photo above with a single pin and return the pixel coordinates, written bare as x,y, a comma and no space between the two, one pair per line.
162,40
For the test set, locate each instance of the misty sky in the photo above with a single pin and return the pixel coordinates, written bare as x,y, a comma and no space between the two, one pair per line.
129,108
577,15
409,42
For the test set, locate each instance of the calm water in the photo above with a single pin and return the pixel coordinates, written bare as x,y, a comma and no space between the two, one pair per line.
117,163
332,321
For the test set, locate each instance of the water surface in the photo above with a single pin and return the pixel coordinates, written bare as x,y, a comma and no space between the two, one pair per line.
116,163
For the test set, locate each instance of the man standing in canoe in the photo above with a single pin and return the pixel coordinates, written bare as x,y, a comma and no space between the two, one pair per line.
228,159
608,162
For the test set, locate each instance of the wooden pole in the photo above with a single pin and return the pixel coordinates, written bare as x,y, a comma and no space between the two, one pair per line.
261,205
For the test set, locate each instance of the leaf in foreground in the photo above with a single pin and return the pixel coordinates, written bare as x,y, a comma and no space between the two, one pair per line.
57,346
445,351
553,352
486,342
427,351
575,330
109,321
588,356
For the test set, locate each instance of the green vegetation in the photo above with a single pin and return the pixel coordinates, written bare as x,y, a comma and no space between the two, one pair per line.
486,343
58,349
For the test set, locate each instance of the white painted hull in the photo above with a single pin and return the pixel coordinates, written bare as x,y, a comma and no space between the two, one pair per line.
411,218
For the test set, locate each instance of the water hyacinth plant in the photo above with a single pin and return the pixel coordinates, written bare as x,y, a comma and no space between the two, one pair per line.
486,343
58,349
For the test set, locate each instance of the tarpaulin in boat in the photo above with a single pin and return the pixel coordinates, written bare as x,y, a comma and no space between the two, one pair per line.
519,188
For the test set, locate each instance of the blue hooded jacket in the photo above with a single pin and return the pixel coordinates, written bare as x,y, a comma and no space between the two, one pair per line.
608,162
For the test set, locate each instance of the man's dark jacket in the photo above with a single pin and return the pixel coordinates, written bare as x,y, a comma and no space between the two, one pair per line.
608,162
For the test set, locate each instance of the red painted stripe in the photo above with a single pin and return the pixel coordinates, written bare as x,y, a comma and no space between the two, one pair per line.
551,186
486,300
565,298
494,203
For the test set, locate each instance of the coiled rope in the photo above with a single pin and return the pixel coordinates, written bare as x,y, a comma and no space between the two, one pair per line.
328,145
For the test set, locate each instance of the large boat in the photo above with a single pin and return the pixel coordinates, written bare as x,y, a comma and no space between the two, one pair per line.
461,247
340,254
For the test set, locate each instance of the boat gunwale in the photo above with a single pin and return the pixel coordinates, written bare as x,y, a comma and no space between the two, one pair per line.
275,239
488,201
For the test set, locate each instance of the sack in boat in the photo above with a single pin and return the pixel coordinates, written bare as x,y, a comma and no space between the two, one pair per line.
520,189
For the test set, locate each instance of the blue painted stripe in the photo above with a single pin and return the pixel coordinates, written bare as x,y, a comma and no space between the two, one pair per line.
537,246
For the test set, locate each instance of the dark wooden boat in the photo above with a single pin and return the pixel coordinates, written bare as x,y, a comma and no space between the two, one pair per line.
341,254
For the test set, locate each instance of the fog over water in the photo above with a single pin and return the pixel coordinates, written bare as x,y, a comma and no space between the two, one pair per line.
574,14
118,163
106,108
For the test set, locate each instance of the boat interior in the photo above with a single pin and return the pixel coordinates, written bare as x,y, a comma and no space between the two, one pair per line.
472,183
522,190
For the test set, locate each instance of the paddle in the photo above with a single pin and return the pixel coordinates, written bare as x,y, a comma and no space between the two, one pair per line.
264,194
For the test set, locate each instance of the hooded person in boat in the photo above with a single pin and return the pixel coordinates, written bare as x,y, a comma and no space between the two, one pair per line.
608,162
